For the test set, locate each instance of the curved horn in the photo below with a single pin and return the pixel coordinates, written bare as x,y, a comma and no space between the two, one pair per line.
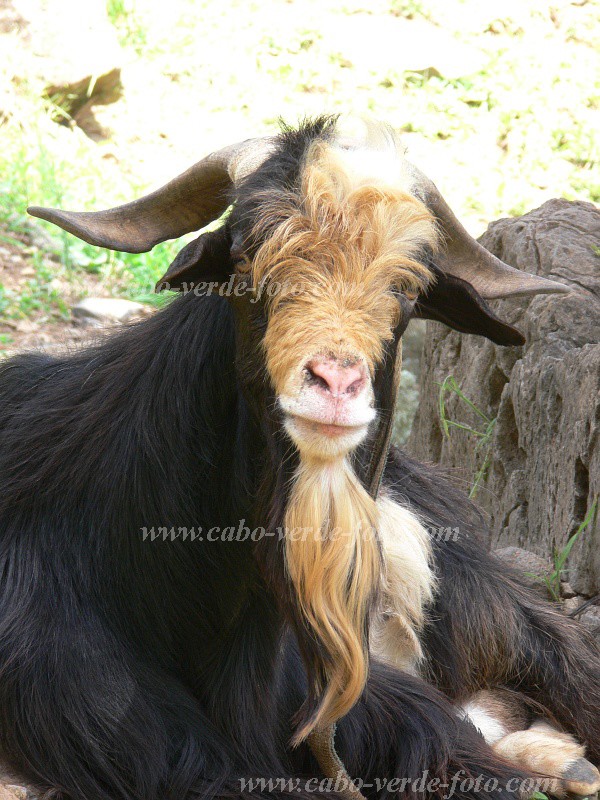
187,203
465,258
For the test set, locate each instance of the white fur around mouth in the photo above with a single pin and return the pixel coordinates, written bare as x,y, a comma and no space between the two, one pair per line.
330,429
315,439
315,411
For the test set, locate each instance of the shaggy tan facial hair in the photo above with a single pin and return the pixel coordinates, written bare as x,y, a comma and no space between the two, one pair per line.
345,242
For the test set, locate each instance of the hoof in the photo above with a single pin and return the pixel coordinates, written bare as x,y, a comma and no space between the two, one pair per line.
581,779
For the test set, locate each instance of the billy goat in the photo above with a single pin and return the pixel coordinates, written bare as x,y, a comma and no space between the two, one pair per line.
138,670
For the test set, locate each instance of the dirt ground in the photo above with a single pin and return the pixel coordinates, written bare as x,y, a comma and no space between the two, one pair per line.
42,327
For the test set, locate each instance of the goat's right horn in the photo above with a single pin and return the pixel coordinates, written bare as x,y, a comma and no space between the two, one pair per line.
463,256
187,203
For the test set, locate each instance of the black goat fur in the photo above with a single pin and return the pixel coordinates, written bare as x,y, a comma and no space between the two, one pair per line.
155,669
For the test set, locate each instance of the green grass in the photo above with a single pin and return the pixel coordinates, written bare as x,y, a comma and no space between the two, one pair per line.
482,435
482,446
38,294
559,557
125,18
44,164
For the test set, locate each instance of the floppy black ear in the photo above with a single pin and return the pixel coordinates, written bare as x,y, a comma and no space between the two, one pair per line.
457,304
204,260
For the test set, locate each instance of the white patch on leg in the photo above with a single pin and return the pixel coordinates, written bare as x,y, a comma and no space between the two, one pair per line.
407,586
490,727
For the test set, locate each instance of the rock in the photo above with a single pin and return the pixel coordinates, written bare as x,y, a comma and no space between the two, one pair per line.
108,310
408,394
13,793
566,590
545,447
572,604
406,405
530,566
591,619
25,325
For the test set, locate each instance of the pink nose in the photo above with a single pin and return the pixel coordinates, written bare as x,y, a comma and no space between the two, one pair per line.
337,377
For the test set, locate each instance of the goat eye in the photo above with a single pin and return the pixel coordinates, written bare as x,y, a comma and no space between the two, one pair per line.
412,296
242,263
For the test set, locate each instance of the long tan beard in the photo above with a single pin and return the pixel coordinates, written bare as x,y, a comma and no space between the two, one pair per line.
333,560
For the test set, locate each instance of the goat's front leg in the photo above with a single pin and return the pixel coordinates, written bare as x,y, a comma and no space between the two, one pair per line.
404,736
510,726
485,628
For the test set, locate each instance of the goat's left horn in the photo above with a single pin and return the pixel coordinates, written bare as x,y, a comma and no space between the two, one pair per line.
464,257
187,203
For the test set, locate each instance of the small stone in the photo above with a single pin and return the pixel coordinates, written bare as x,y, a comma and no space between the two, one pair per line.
108,310
531,567
12,792
566,590
591,619
571,604
25,326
